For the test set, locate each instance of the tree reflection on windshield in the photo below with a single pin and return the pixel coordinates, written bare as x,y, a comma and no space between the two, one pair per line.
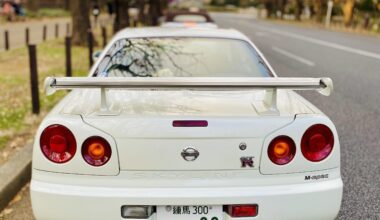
168,57
144,57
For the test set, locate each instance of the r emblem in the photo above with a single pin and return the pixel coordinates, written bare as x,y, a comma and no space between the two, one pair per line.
246,162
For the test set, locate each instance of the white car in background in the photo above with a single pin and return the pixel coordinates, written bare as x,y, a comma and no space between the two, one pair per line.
185,124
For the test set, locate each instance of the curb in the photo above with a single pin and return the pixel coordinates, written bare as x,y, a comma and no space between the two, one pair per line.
14,174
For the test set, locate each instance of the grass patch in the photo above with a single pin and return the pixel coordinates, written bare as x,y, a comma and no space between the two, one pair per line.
12,118
48,13
53,12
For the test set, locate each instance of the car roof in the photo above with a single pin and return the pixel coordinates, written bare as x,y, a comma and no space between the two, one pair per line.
179,32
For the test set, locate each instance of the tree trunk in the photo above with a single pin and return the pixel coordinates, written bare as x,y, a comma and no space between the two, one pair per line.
142,18
270,7
154,11
67,5
122,15
33,5
298,9
348,12
281,7
81,21
318,9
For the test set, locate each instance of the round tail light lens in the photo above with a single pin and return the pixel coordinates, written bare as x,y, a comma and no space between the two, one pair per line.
58,143
281,150
96,151
317,143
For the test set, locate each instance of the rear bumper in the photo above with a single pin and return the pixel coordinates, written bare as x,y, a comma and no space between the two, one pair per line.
317,200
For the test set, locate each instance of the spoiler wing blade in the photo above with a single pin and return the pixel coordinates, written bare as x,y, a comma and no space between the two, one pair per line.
322,85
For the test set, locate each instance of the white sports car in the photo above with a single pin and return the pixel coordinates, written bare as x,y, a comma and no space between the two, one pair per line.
185,124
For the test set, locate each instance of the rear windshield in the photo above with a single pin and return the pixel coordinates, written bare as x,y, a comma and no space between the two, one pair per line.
182,57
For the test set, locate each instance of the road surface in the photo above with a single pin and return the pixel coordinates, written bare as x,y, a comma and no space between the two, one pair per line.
353,62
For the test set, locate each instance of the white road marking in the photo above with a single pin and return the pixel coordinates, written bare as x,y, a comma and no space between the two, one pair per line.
322,42
293,56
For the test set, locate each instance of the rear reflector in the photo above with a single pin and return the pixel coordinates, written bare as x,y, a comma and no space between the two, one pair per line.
136,212
190,123
242,211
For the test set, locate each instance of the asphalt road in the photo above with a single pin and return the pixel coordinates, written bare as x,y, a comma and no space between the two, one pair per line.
353,62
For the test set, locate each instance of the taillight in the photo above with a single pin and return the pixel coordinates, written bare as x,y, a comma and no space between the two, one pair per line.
96,151
281,150
242,211
58,144
317,142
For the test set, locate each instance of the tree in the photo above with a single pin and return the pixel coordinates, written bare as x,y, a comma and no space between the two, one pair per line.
298,9
81,21
122,15
348,11
319,8
141,5
154,11
270,6
281,7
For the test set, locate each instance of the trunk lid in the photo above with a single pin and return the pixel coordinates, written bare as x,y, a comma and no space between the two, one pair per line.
141,124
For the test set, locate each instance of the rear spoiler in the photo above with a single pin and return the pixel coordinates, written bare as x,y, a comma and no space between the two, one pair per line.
322,85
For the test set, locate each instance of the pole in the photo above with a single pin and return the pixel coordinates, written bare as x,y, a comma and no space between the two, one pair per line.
44,33
56,30
104,35
90,38
68,56
27,36
68,29
34,79
330,5
6,39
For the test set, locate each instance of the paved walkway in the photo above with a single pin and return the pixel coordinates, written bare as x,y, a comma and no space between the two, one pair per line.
17,30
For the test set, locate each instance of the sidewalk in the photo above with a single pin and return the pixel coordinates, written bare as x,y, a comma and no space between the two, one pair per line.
17,31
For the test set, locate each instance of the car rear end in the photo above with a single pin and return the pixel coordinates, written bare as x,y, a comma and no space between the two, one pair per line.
186,154
140,167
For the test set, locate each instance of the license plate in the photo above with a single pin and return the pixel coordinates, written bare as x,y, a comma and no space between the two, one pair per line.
191,212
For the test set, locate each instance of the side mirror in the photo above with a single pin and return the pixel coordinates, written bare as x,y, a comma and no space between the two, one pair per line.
96,55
